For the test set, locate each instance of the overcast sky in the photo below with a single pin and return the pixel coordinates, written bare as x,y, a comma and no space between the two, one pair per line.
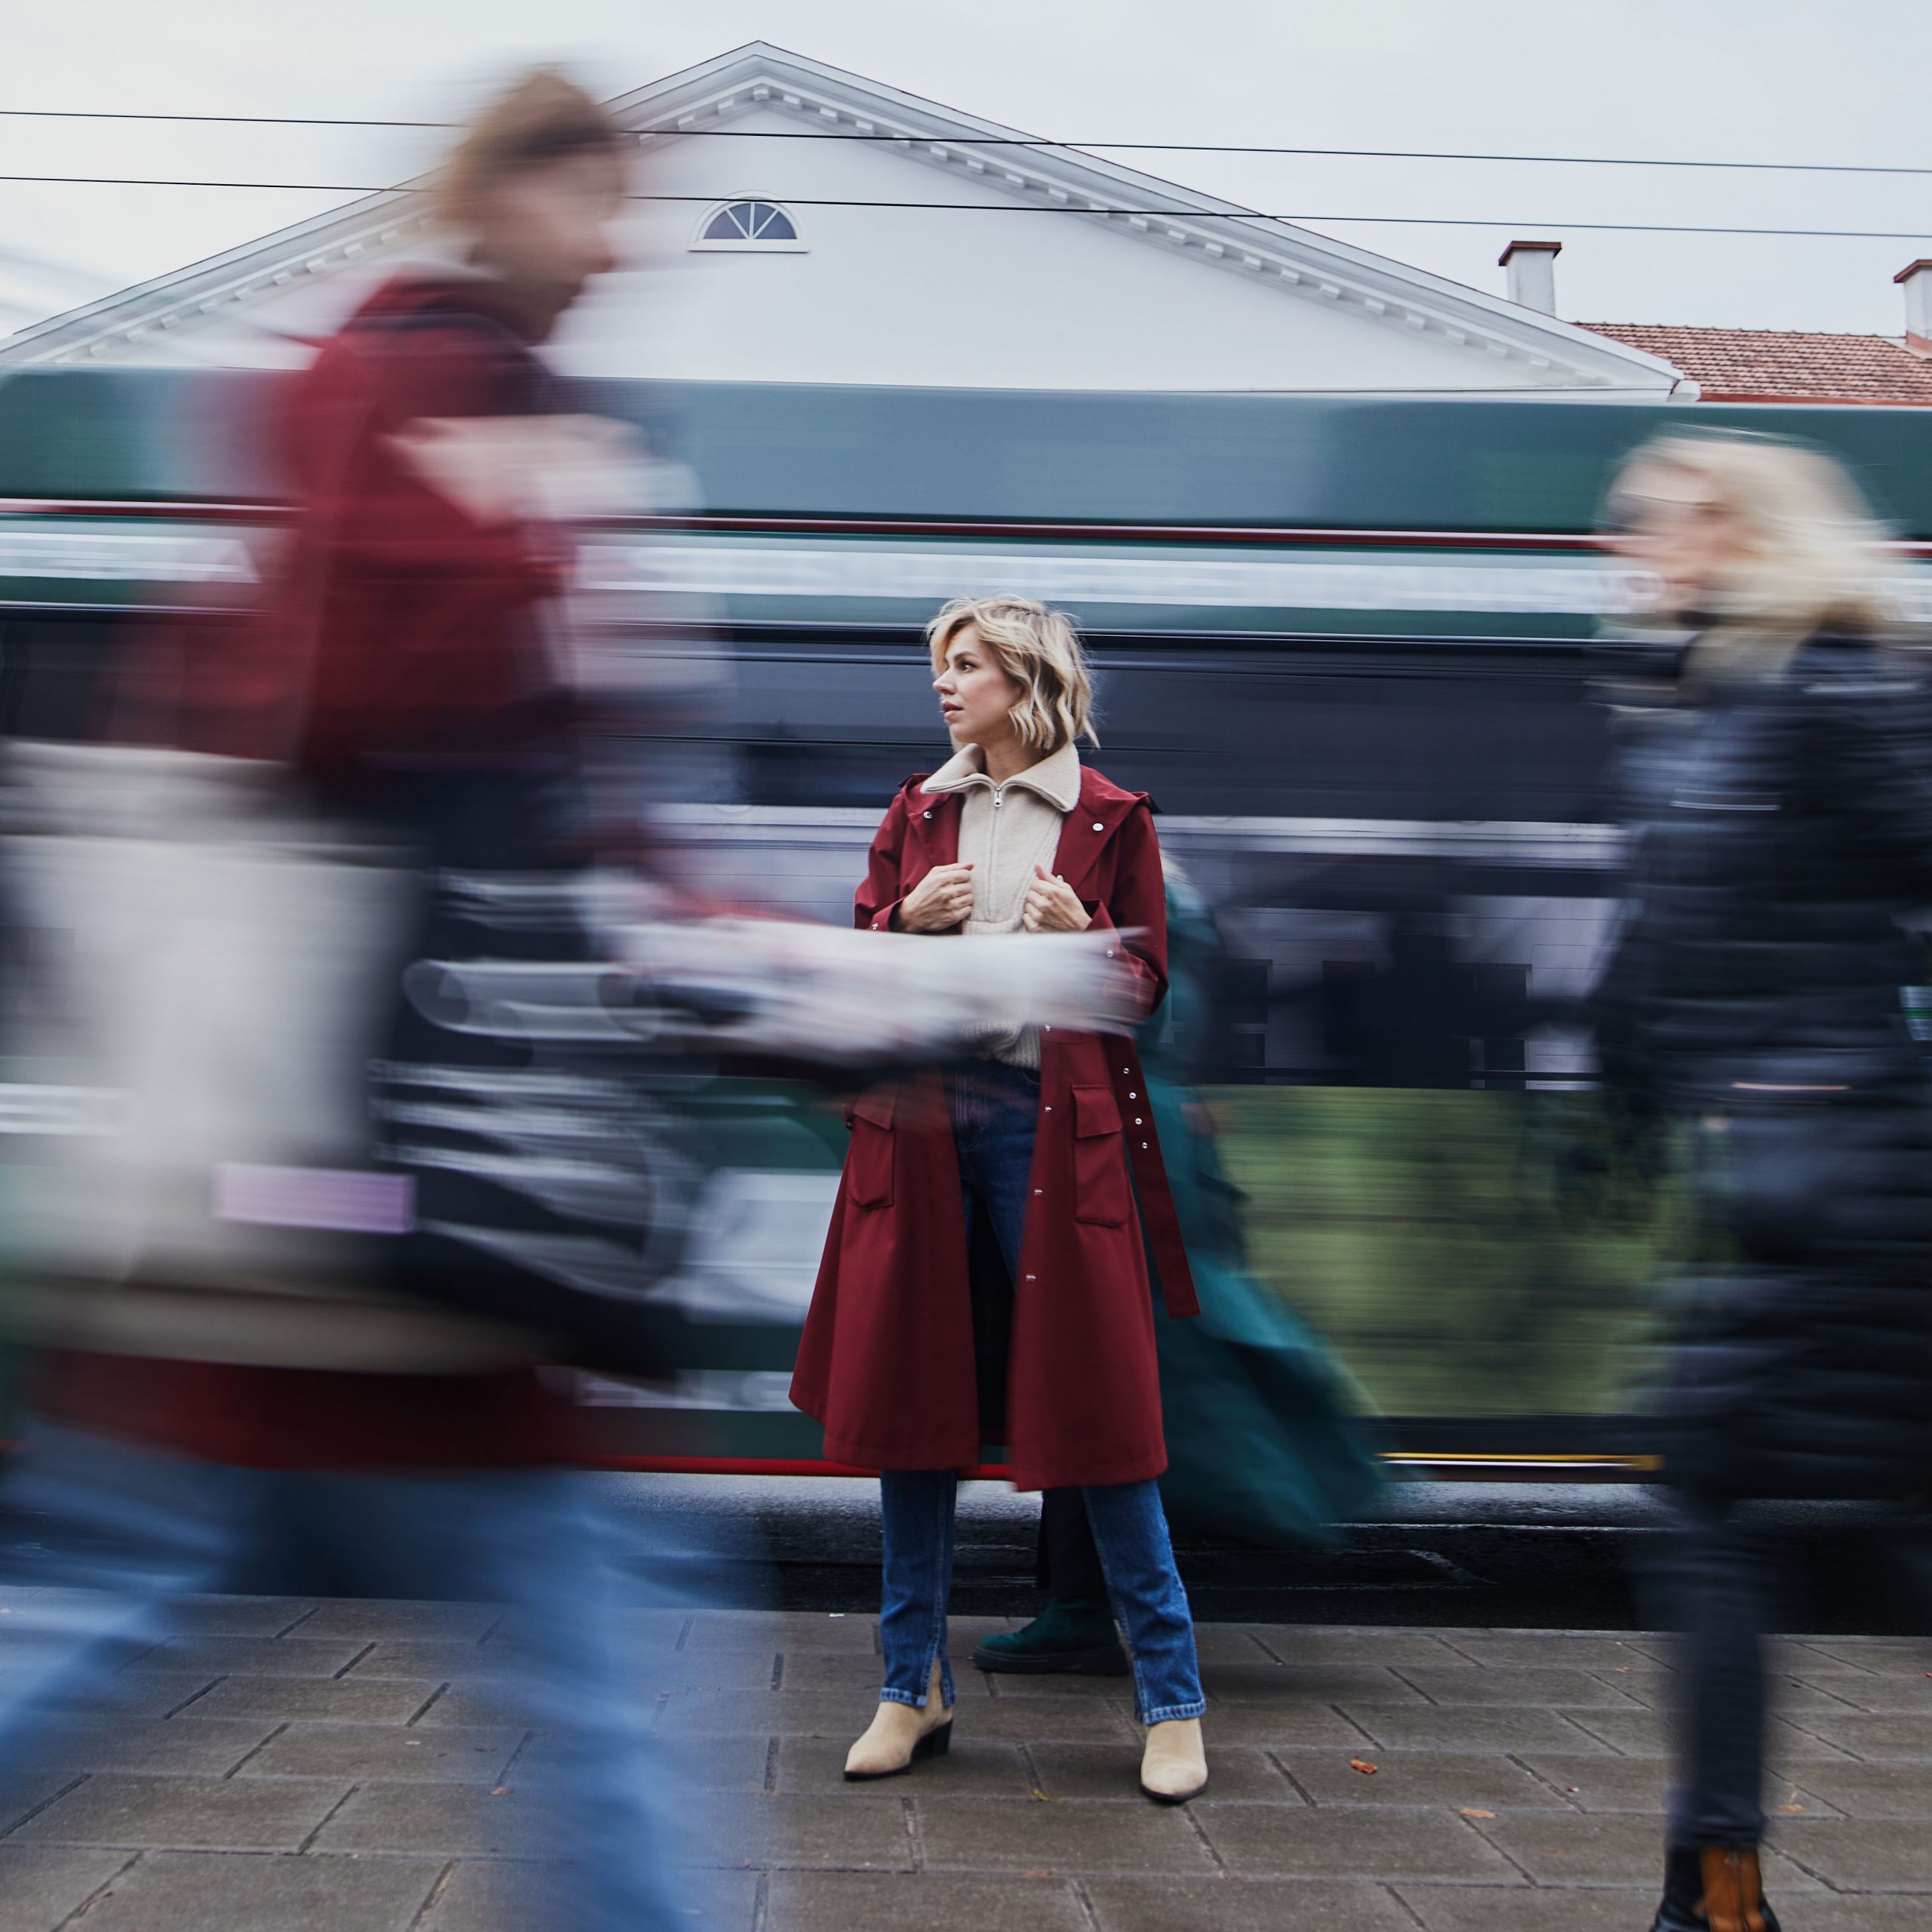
1754,80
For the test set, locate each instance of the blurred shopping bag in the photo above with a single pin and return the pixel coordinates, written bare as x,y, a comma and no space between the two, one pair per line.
201,971
529,1095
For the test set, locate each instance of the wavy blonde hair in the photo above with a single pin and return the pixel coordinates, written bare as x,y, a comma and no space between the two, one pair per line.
1819,559
1040,650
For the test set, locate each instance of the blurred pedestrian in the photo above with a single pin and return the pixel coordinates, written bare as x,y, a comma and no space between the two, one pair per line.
1266,1437
396,695
1780,808
922,1341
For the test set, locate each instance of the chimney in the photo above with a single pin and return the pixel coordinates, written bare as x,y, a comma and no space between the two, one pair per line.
1915,278
1532,266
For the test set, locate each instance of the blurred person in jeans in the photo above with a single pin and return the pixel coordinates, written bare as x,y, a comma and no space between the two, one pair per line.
917,1349
1780,805
399,670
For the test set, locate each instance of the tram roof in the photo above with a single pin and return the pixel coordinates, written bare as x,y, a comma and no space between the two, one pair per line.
1536,465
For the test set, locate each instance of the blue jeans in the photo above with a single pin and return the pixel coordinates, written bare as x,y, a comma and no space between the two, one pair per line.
994,1111
123,1531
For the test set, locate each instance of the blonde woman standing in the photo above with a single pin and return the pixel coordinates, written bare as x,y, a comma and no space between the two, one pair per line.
1781,811
912,1357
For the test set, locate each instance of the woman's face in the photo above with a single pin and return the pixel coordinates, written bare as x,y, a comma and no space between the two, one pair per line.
976,695
1668,523
546,230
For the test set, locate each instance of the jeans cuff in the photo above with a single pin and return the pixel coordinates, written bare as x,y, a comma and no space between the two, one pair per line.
1170,1713
889,1696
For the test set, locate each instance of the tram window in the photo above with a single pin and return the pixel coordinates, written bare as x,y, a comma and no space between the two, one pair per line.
51,673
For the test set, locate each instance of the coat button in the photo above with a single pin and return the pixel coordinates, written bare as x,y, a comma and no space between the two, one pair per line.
1143,1146
926,814
1138,1122
1097,826
1039,1190
1033,1278
1131,1096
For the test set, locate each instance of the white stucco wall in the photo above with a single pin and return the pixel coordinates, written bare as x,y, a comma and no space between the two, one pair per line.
1017,297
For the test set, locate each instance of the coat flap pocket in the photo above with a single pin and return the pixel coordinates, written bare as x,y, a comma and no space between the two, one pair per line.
1095,1111
875,1108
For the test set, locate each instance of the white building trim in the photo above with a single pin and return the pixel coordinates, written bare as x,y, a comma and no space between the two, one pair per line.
1537,351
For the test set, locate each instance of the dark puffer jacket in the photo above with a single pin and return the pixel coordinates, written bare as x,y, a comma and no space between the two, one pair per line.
1781,827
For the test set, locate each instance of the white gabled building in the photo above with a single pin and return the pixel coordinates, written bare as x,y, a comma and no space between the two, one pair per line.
940,250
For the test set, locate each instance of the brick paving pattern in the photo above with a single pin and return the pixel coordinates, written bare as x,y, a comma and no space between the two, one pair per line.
286,1767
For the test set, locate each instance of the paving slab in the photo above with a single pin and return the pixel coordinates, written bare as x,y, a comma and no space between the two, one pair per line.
375,1700
1477,1727
187,1891
220,1656
196,1813
1346,1843
450,1754
1243,1905
214,1747
40,1886
1485,1909
447,1820
1857,1854
365,1618
239,1616
1488,1779
1072,1835
892,1902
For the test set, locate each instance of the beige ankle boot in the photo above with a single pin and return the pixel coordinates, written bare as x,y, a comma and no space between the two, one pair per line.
900,1735
1173,1766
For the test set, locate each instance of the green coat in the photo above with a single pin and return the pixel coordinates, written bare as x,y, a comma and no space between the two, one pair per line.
1266,1438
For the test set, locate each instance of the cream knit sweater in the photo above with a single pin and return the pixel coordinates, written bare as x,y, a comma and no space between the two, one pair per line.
1004,830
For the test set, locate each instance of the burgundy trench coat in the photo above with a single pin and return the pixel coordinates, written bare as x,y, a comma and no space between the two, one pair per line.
886,1362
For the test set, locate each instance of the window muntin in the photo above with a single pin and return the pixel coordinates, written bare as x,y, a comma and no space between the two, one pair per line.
749,221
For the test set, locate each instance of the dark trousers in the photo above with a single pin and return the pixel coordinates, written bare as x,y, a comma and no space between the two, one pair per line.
1715,1584
1070,1559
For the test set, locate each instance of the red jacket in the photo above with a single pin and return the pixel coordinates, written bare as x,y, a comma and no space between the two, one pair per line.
397,625
886,1362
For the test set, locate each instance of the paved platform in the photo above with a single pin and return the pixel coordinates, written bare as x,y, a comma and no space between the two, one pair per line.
332,1766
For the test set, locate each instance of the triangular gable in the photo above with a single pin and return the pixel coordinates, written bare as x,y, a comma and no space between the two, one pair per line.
1522,345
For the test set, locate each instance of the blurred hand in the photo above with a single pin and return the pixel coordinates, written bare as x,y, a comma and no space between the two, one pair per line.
941,900
1051,907
493,468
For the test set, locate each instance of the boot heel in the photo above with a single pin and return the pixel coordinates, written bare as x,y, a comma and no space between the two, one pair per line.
935,1743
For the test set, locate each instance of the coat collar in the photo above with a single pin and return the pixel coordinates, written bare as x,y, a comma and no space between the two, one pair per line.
1058,779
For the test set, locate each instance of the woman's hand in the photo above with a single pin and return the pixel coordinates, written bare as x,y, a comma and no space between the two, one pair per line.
1051,907
940,900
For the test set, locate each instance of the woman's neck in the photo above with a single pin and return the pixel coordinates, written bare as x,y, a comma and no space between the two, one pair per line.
1008,759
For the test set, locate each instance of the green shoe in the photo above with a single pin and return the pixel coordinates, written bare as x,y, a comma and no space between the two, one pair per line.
1068,1635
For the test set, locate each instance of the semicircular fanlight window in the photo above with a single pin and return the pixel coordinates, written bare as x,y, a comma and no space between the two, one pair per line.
750,221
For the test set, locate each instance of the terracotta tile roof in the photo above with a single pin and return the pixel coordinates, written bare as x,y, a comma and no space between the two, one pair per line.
1782,365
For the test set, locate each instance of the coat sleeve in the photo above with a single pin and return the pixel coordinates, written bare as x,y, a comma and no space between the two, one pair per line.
1878,730
878,899
365,389
1137,903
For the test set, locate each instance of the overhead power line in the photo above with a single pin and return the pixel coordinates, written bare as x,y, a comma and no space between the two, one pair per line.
1020,208
1020,141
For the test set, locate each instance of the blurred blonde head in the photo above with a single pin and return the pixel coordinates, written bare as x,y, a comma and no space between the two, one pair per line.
1799,550
1039,649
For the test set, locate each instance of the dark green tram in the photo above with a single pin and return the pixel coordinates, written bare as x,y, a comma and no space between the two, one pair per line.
1349,644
